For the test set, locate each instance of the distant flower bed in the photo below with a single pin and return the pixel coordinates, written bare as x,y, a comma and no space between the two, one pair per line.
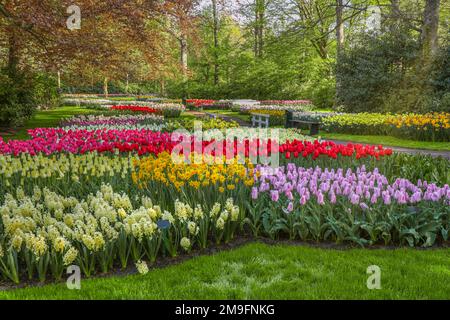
286,102
135,109
197,103
424,127
292,108
89,120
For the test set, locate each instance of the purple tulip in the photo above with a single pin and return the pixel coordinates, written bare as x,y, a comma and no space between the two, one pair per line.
274,195
254,193
364,206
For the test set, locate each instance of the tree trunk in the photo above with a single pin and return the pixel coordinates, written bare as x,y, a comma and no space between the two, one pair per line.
105,87
262,18
13,52
59,80
184,55
260,8
429,36
163,87
256,44
340,38
216,42
127,84
340,33
395,9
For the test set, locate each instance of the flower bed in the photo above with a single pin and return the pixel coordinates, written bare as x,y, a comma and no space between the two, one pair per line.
426,127
99,194
294,108
135,109
102,120
346,206
287,102
45,232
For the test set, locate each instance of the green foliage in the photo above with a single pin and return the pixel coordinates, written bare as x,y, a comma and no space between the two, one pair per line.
22,92
17,101
373,68
46,91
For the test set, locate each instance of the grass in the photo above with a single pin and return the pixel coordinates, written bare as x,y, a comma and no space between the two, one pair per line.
389,141
47,119
259,271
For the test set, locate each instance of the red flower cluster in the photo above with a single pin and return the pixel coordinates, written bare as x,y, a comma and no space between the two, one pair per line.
135,109
50,141
200,102
330,149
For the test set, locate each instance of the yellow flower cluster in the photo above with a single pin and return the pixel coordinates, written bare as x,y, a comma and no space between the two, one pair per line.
48,221
272,113
421,121
162,169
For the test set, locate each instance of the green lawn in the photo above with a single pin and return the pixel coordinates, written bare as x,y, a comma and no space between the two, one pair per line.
389,141
258,271
49,118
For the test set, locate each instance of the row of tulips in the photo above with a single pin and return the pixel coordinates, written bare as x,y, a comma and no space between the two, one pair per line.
50,140
347,206
102,120
135,109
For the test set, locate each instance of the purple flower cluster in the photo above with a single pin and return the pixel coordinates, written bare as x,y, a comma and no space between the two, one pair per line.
360,188
111,122
101,120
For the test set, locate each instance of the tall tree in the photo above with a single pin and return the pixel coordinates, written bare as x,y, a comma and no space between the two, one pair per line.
216,40
429,36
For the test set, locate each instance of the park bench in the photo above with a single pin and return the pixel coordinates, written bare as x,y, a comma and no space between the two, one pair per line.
260,120
211,115
291,122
